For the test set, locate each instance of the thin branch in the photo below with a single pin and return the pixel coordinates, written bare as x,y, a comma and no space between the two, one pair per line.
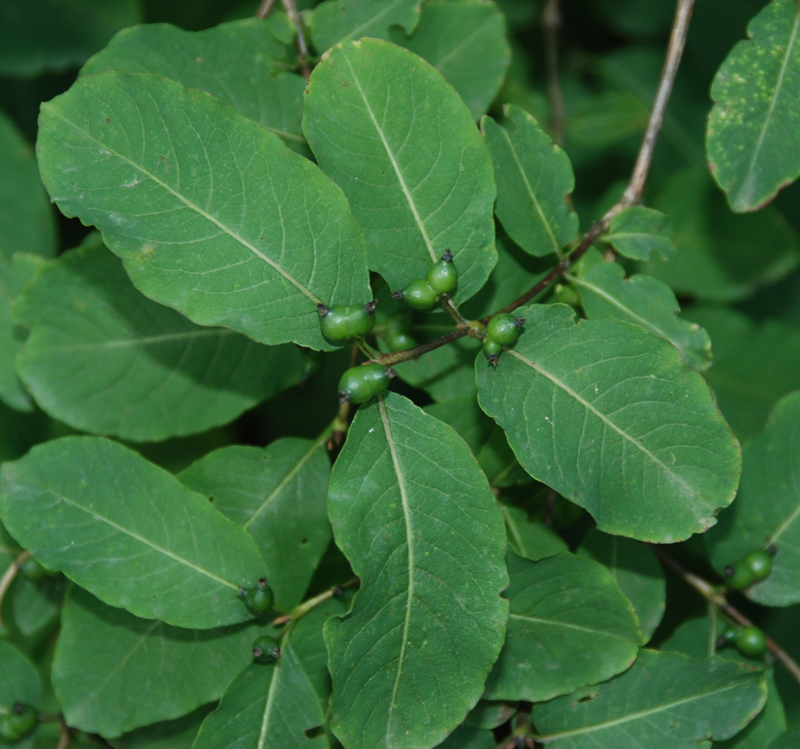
290,6
264,8
718,600
8,578
312,603
551,21
389,360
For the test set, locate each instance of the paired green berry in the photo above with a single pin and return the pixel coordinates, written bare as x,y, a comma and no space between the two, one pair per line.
492,351
18,722
443,276
359,384
341,323
750,640
398,332
502,330
754,568
266,650
441,280
259,599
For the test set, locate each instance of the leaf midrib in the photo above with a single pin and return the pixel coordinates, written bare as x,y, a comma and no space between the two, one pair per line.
589,407
273,688
146,341
568,625
192,206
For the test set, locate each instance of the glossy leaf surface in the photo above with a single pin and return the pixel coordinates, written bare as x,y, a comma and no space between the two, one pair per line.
218,220
415,517
637,571
277,495
609,416
533,178
767,508
400,142
129,532
105,359
753,146
265,706
663,694
240,63
337,20
569,625
638,231
466,43
104,656
646,301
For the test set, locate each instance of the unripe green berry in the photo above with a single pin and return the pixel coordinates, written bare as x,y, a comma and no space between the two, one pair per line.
18,722
259,600
730,636
752,641
443,276
266,650
759,562
504,329
359,384
399,324
738,576
341,323
492,351
417,295
400,342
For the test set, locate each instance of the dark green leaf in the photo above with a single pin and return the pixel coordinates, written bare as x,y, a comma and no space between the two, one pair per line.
531,538
103,358
789,740
400,142
337,20
14,275
754,365
415,517
609,416
639,231
129,532
498,462
240,63
767,508
445,372
278,496
569,625
57,34
19,679
36,604
265,706
534,177
752,142
663,695
646,301
466,42
721,257
173,734
467,737
466,417
218,220
113,672
490,713
637,572
766,726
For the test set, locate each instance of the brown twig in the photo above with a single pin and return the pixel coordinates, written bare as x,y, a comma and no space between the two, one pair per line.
718,600
389,360
264,8
551,22
311,603
8,578
290,6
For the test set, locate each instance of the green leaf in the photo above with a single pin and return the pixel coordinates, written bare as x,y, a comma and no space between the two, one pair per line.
534,177
755,365
468,737
609,416
569,625
767,508
14,275
113,672
531,538
491,713
128,532
265,706
277,495
105,359
639,231
336,20
218,220
498,462
19,678
36,604
445,372
26,219
789,740
400,142
417,520
769,724
751,141
663,695
466,42
721,257
466,418
173,734
240,63
645,301
637,571
53,35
